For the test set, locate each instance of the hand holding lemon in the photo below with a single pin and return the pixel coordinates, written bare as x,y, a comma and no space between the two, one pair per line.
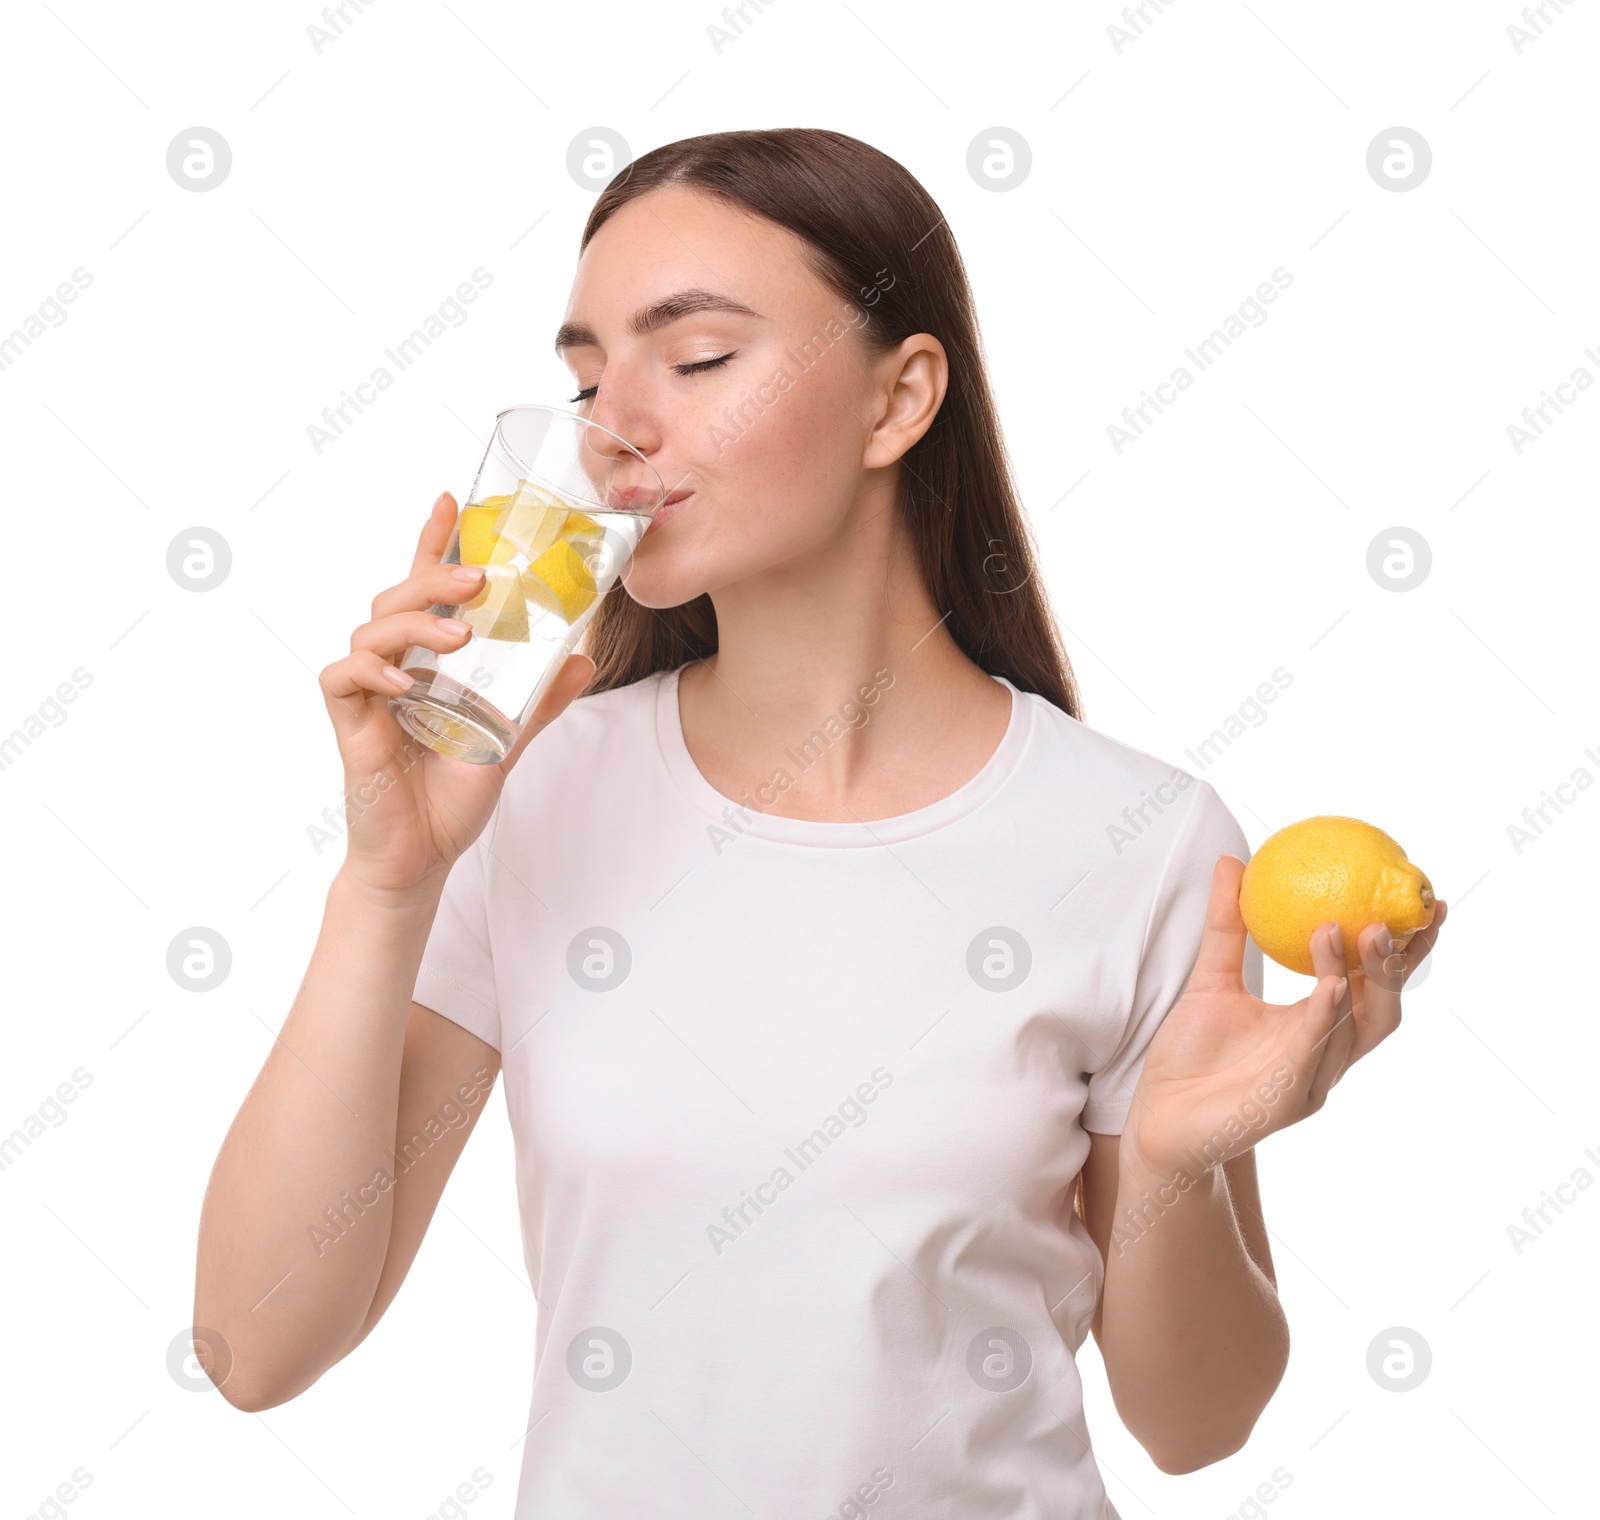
1329,896
1331,869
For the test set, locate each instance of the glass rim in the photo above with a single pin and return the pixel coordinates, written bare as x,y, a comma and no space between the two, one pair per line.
557,411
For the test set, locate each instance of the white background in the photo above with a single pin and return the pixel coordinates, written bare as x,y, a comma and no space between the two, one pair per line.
1167,181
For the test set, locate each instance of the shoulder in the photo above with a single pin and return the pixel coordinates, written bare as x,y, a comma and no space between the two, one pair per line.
602,712
1127,794
595,732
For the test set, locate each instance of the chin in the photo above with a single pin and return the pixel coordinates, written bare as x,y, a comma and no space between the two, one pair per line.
659,578
670,569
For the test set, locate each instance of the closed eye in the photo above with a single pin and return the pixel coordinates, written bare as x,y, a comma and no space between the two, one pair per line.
701,364
695,368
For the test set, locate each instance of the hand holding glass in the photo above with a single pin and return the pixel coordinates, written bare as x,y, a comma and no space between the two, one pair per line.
556,511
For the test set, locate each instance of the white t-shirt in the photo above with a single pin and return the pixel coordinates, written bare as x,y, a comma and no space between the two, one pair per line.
798,1108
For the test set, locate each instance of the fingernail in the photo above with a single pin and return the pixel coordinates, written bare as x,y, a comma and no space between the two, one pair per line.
454,625
397,678
1336,939
1383,941
467,573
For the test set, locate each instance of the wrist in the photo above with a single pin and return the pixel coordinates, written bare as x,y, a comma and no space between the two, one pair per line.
1146,1191
1139,1178
1139,1172
420,897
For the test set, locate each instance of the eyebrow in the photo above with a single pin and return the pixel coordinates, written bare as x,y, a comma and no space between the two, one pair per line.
681,303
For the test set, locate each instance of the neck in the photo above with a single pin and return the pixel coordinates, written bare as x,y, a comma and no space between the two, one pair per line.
838,668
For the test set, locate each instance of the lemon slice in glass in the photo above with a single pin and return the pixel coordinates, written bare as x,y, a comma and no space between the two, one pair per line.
499,610
481,544
533,520
560,582
497,529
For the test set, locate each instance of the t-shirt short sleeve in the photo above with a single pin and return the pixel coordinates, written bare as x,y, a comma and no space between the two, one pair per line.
456,975
1171,947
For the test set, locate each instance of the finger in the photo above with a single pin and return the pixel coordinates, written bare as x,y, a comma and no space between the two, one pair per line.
1331,1050
392,636
1328,960
1313,1017
1386,971
1420,943
434,538
348,683
1327,950
1418,947
443,585
1220,963
569,683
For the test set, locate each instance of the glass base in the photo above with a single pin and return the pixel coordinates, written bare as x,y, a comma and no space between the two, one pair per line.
452,720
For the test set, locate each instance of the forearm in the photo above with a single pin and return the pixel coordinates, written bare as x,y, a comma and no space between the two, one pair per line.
313,1130
1191,1330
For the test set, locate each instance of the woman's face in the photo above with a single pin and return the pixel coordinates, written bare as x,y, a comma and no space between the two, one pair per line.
700,334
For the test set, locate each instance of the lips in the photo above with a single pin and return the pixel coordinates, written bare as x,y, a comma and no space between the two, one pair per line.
669,508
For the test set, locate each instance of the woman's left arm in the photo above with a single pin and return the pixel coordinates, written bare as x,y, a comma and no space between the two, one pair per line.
1189,1324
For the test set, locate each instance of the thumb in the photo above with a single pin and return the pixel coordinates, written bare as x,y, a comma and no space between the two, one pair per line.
1221,957
569,683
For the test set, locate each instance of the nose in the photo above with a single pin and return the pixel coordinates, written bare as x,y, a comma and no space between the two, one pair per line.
620,410
623,431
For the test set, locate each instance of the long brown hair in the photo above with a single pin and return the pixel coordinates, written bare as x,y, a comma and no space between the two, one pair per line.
866,219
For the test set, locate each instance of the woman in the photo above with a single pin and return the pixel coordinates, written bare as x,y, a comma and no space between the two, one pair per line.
830,958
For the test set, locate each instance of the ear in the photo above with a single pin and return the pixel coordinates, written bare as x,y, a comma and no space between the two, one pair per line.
908,385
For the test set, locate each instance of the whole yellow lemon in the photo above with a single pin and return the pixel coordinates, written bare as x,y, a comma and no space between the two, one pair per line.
1330,868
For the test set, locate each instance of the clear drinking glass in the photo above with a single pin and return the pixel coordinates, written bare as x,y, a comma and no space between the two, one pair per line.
556,511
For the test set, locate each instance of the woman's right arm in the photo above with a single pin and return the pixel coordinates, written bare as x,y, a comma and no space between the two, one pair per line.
306,1230
285,1289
